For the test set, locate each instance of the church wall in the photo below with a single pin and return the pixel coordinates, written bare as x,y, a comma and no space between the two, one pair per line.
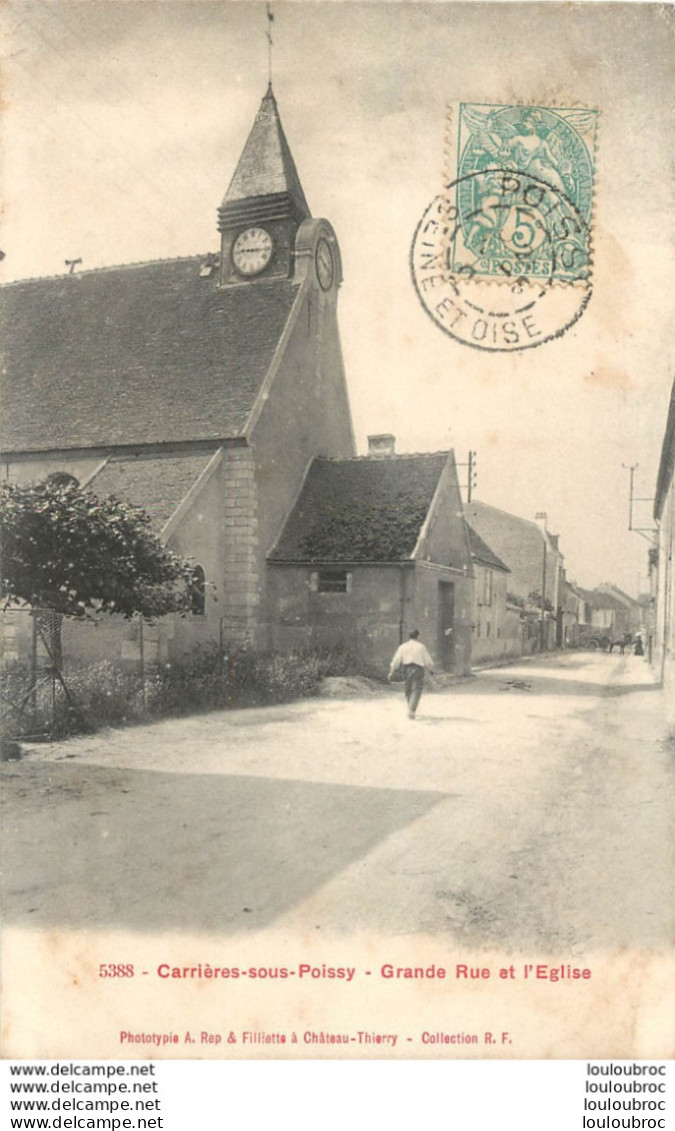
306,414
31,470
218,533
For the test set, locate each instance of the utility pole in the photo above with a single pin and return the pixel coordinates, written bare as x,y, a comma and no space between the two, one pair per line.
647,532
631,469
473,475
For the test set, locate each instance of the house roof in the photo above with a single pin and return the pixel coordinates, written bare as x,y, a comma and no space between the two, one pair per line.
366,509
600,599
624,598
266,166
518,541
156,483
481,552
86,355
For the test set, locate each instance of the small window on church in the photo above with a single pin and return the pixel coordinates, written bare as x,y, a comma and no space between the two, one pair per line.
334,581
198,592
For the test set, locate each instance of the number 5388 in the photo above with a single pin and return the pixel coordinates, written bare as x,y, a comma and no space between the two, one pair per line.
115,970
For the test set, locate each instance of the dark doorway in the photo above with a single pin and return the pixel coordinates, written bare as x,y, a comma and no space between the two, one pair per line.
446,624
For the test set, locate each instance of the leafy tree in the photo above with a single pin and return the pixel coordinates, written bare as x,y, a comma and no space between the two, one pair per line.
68,553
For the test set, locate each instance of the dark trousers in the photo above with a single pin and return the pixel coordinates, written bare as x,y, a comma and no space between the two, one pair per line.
414,682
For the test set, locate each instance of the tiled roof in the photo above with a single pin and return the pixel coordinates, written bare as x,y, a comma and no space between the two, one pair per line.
155,483
134,355
266,166
601,600
482,553
361,510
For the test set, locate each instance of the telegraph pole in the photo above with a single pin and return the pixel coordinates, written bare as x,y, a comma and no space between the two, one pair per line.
647,532
473,475
631,469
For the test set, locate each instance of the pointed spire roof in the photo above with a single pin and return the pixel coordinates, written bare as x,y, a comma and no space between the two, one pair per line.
266,166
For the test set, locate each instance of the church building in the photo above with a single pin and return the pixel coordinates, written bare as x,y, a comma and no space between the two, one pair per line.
205,390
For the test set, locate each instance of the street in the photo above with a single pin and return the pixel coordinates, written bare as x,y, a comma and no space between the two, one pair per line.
527,807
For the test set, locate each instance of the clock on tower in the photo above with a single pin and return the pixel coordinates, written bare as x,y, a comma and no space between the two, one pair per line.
263,207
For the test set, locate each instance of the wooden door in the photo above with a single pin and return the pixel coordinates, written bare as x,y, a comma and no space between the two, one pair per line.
446,624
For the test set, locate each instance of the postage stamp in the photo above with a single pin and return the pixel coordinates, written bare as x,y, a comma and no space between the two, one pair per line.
518,213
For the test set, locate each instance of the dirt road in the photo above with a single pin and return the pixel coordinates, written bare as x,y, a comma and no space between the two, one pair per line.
527,807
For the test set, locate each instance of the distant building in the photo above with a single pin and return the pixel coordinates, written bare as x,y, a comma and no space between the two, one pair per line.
605,617
535,562
496,625
633,607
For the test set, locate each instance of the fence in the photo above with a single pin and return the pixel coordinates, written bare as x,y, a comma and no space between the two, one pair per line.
53,668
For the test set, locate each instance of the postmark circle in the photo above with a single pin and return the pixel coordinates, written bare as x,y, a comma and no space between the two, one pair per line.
501,261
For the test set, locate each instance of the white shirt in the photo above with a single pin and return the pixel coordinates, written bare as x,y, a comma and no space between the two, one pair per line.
412,652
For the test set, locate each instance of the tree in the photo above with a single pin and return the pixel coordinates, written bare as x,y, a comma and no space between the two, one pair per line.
67,553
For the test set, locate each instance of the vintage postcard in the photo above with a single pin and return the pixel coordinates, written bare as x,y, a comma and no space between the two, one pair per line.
337,624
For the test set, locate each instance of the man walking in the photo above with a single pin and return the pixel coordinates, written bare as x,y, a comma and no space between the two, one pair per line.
414,659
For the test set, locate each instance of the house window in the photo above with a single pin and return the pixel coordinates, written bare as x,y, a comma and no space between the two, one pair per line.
334,581
487,587
488,627
198,592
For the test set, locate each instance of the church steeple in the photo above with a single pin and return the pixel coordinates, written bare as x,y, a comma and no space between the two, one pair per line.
266,166
264,204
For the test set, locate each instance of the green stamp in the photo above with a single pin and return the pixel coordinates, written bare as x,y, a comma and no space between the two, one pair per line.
524,192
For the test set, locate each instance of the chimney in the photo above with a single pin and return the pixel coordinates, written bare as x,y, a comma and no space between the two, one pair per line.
383,445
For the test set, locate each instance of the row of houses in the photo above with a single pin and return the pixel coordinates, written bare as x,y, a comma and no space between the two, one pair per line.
372,547
211,392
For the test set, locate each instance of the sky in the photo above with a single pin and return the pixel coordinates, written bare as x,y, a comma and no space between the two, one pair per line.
122,123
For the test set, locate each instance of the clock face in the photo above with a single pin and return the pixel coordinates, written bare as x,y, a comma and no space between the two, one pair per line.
252,251
325,264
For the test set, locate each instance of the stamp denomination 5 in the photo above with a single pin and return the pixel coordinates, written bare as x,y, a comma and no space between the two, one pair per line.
501,259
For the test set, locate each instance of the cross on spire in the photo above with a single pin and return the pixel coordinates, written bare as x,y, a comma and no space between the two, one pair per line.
270,41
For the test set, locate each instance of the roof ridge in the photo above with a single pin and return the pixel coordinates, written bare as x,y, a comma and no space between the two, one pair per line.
509,514
384,459
107,267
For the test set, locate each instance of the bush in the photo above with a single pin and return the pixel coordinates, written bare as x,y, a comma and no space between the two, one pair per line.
98,695
196,682
206,679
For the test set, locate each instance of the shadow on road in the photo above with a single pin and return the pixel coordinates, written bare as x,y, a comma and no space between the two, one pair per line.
157,851
526,683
